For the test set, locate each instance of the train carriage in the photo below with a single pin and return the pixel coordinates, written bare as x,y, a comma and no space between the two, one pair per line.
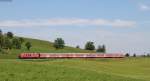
68,55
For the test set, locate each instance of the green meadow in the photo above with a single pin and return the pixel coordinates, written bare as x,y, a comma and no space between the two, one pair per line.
122,69
125,69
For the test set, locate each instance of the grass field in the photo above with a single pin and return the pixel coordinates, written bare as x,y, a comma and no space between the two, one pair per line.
125,69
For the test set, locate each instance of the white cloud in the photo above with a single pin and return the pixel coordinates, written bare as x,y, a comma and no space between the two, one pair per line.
66,21
144,7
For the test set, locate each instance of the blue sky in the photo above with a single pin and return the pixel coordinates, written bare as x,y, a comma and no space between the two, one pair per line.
122,25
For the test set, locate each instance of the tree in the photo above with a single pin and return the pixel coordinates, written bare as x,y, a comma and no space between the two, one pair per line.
59,43
148,55
21,40
134,55
1,49
104,49
89,46
7,43
77,46
1,32
1,40
127,54
28,45
101,49
16,43
10,35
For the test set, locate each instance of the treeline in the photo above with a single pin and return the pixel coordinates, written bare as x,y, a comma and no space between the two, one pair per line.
135,55
8,41
59,43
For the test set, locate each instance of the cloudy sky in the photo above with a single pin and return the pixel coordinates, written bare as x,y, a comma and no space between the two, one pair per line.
122,25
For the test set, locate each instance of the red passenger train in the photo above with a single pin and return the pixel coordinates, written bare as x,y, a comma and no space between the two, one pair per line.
68,55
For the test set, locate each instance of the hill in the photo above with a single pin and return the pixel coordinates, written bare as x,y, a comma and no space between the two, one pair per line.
40,46
125,69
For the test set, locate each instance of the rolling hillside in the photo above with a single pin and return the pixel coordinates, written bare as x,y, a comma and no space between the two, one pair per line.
123,69
40,46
